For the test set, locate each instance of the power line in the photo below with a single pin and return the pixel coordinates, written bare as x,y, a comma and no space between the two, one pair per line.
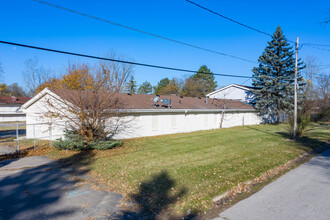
319,45
119,61
142,32
227,18
316,46
310,45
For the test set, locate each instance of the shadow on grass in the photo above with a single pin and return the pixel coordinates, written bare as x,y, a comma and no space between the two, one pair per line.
37,192
154,199
266,132
305,141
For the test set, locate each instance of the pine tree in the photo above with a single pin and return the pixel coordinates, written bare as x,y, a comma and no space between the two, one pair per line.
131,85
273,79
200,84
173,87
207,81
145,88
158,90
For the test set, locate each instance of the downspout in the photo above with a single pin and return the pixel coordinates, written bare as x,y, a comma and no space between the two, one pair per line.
222,117
223,114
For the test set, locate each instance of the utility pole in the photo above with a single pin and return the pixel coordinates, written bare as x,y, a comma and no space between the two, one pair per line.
295,92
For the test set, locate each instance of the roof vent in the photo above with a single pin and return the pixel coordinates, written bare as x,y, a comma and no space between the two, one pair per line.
13,99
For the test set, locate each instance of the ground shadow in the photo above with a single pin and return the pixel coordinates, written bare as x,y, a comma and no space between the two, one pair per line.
33,193
313,144
154,199
266,132
11,133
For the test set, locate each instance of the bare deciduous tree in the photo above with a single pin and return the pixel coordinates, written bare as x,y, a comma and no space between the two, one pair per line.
93,112
34,75
115,75
312,69
323,81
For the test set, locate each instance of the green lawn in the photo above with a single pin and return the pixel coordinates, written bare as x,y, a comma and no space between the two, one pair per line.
188,170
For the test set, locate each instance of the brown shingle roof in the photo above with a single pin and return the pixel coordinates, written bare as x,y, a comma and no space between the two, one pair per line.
143,101
13,100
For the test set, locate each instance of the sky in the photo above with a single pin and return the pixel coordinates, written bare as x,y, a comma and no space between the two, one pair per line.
32,23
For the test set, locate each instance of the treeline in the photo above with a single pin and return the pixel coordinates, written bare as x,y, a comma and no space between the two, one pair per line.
83,76
199,84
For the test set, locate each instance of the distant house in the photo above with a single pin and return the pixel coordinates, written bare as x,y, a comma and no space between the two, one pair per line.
144,118
234,92
10,108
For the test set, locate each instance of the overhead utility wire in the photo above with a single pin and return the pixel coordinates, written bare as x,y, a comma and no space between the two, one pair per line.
310,45
119,61
319,45
252,28
143,32
225,17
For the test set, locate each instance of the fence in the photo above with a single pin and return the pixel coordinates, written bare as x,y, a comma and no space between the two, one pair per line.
13,136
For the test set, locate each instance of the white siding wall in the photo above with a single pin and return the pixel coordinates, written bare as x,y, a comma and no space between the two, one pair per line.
38,126
10,113
235,93
12,117
143,124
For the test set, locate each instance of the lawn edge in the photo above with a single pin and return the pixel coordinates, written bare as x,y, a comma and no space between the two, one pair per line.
245,189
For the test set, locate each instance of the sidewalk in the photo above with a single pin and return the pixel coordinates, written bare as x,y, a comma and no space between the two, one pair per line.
303,193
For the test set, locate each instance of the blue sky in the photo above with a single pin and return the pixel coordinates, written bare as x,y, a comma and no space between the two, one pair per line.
28,22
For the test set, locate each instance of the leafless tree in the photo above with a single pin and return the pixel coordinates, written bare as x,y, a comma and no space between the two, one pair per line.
94,112
1,72
323,81
327,20
311,70
115,74
34,75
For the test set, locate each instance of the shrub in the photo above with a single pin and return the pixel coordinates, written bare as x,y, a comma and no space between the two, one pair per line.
104,145
322,115
303,121
73,141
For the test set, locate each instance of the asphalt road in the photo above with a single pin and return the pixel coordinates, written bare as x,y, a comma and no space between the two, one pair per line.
39,188
303,193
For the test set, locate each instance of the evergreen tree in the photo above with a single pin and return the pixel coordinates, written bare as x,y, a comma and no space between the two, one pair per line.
208,83
161,85
273,79
145,88
173,87
200,84
131,85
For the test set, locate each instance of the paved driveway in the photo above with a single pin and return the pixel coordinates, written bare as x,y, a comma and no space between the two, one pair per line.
303,193
39,188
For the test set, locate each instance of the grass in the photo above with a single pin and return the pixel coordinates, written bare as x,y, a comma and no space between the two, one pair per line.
201,164
12,128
